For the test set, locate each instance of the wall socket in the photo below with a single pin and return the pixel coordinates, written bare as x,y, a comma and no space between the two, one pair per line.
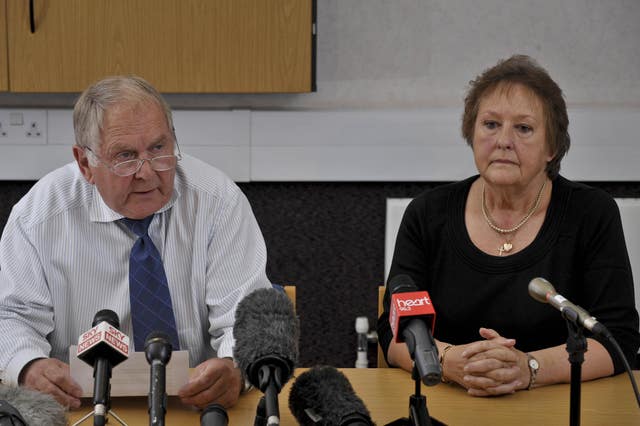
23,127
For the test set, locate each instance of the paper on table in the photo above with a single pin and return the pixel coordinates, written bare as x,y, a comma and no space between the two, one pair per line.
131,377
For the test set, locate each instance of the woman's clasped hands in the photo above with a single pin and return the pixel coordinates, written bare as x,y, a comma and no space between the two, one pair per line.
488,367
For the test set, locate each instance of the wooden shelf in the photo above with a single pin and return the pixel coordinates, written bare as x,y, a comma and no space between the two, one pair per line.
180,46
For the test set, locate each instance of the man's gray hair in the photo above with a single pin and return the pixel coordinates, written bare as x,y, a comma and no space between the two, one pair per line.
89,110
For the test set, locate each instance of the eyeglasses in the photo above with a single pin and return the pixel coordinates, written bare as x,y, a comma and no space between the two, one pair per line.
161,163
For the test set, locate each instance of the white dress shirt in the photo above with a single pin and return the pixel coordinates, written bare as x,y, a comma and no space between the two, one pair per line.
64,256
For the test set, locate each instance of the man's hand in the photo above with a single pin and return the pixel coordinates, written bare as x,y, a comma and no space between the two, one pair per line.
215,380
52,376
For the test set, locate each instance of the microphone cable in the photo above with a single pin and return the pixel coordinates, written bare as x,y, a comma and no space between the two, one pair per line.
627,367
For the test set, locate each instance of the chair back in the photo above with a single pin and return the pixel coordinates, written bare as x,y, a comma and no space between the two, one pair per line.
382,363
289,290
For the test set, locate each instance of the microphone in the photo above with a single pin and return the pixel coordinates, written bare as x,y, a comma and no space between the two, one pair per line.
266,332
412,319
157,350
214,415
34,407
323,395
542,290
103,347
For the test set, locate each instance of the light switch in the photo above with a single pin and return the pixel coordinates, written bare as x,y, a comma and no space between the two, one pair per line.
16,119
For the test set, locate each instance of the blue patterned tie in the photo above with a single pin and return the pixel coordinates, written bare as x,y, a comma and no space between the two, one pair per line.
151,307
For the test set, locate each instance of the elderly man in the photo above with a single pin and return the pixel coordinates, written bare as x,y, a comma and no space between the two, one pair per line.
78,242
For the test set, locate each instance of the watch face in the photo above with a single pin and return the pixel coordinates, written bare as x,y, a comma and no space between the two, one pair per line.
533,363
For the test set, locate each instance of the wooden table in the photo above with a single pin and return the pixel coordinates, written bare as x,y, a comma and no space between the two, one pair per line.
386,391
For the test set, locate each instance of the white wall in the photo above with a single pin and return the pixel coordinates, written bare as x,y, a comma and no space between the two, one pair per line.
391,76
342,145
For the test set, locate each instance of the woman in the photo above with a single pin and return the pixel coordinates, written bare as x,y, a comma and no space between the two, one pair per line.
475,245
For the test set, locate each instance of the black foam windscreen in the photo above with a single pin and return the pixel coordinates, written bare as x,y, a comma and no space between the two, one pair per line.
324,396
401,283
158,346
35,407
214,415
266,331
106,315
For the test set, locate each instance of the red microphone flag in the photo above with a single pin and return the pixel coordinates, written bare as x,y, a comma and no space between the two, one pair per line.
415,304
106,340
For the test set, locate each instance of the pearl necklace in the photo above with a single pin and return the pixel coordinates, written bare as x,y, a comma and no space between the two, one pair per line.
507,246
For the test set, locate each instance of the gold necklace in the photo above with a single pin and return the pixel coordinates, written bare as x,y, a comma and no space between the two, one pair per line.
507,246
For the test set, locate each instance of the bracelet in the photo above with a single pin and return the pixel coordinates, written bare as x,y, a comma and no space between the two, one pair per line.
442,355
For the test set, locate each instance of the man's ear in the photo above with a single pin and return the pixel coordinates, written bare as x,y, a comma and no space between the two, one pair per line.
83,163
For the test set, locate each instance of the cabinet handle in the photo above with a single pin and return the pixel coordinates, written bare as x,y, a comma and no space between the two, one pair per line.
32,19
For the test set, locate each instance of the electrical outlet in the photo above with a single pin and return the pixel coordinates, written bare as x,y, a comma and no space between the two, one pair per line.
23,126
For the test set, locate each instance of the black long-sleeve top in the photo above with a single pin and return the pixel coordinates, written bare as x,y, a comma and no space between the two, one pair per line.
580,249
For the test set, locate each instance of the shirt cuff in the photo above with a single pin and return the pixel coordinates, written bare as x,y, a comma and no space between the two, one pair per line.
226,348
11,374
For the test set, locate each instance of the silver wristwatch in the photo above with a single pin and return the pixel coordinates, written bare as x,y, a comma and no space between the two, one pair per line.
534,366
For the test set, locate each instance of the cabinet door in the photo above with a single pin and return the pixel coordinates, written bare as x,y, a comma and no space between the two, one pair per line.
216,46
4,68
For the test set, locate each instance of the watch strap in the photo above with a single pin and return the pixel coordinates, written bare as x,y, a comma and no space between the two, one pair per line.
533,365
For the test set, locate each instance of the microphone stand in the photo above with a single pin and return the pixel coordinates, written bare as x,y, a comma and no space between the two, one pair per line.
261,413
270,383
418,412
103,401
89,414
576,347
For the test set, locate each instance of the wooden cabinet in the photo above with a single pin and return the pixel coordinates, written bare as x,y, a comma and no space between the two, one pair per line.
189,46
4,67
